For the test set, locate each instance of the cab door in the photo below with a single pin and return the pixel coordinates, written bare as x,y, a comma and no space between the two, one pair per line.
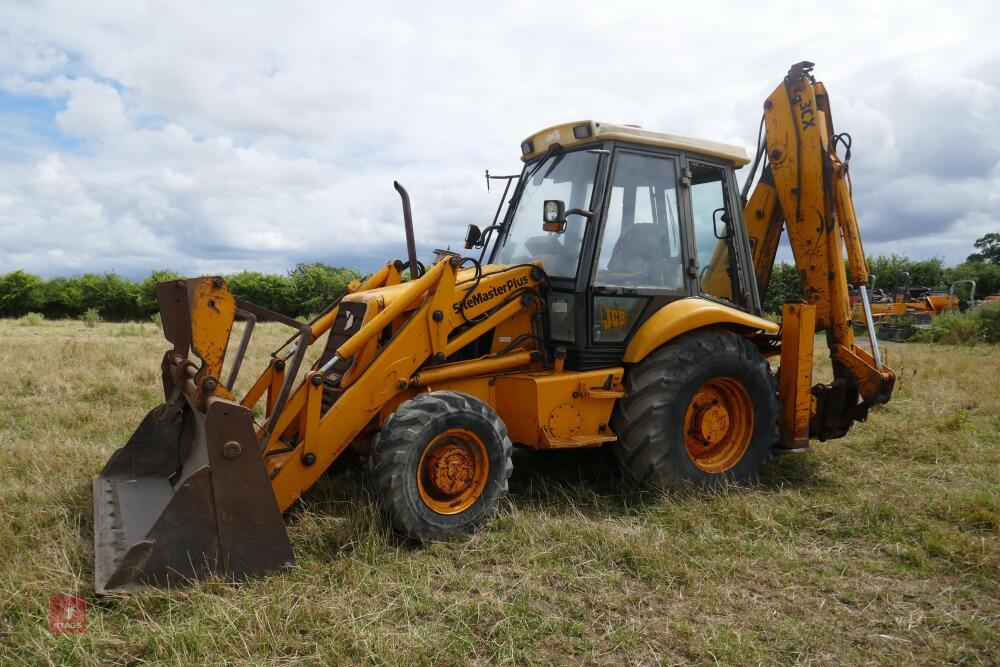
640,256
718,239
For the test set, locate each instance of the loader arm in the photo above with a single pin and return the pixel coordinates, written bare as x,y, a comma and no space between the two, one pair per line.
199,488
804,188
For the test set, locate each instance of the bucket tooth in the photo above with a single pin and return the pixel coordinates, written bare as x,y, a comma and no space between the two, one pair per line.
187,497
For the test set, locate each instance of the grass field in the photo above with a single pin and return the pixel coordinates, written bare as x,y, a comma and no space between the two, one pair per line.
883,547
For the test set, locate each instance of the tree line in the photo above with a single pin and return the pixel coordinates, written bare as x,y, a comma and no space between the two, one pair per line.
303,291
307,288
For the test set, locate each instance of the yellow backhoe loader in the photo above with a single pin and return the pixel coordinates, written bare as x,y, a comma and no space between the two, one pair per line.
616,302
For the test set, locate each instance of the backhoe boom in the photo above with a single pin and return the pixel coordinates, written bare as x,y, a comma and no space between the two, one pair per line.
804,188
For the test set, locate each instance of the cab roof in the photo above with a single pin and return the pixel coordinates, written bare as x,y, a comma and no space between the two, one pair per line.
588,131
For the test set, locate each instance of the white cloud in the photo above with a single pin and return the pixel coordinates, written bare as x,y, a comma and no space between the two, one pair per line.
92,110
29,57
217,137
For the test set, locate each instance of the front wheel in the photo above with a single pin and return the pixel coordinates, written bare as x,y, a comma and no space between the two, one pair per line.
702,409
440,465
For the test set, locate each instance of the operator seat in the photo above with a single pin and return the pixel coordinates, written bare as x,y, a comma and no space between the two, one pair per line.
641,253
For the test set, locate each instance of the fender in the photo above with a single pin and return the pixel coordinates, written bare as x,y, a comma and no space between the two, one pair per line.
686,315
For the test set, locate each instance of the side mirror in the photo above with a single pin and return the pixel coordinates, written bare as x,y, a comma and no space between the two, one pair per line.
554,216
472,236
724,218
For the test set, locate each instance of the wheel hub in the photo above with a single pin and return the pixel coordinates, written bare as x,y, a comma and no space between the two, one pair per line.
718,424
450,468
453,471
711,419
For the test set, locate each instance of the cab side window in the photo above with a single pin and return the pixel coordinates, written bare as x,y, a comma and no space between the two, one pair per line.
713,236
641,245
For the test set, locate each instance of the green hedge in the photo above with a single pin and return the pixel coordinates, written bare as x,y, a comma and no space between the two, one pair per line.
305,290
978,325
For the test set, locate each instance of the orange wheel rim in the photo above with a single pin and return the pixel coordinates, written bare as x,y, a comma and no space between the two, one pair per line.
718,424
453,470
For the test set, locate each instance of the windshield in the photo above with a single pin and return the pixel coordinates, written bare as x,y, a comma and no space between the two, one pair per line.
565,176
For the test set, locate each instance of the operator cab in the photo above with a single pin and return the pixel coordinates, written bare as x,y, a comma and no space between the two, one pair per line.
625,221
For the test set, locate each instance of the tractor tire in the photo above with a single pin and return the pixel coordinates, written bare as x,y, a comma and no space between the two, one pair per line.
701,410
440,465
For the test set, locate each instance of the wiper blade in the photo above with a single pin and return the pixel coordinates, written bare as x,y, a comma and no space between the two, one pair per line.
555,163
552,150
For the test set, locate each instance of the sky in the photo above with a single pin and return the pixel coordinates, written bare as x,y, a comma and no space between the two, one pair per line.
217,137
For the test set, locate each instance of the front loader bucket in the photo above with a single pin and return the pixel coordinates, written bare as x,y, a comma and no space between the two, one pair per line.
187,497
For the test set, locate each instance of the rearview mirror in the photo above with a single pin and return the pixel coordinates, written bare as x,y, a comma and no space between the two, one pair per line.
472,236
724,218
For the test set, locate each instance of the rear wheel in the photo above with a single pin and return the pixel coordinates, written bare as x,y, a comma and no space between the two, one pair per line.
702,409
440,465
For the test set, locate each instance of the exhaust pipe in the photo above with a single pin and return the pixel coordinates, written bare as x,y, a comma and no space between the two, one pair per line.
411,244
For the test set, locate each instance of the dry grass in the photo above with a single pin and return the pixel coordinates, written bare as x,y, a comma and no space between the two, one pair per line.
879,548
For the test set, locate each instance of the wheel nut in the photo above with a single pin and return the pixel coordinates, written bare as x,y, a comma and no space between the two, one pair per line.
232,449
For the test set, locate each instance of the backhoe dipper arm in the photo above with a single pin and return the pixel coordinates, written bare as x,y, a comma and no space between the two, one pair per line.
805,188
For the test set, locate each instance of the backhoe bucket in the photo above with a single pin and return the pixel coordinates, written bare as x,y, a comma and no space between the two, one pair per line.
188,496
